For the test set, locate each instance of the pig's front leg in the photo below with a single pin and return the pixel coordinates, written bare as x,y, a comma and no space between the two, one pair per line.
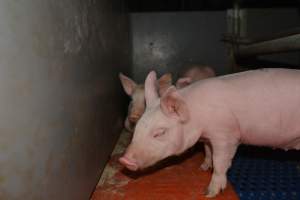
223,152
207,163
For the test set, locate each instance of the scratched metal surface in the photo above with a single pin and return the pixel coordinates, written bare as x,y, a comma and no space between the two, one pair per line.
167,42
61,103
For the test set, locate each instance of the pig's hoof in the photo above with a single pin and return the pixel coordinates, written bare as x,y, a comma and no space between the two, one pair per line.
214,187
211,192
205,166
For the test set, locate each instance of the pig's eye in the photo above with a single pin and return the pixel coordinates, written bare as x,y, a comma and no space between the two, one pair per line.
159,133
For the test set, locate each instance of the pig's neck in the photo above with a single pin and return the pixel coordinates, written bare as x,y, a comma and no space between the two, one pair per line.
191,135
192,129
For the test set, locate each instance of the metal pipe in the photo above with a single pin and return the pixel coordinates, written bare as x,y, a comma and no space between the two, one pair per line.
284,44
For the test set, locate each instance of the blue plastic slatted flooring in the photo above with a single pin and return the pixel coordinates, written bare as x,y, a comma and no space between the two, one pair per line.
266,174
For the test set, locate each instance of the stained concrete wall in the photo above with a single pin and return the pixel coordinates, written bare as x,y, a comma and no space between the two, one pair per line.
60,98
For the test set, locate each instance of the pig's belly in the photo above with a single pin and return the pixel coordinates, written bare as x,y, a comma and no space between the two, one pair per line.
259,135
270,123
268,110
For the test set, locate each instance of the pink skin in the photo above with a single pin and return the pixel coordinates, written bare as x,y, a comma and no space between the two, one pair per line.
259,107
136,91
137,105
192,74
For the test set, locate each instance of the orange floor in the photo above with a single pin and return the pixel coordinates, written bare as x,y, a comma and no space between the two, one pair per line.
176,179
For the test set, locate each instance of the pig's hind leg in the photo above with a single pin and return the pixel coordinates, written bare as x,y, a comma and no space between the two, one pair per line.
223,152
207,163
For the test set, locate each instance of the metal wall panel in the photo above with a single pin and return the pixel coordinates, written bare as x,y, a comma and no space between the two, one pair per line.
168,41
61,103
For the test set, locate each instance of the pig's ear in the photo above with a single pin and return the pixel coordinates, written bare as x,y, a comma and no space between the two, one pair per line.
182,82
150,88
128,84
173,105
164,83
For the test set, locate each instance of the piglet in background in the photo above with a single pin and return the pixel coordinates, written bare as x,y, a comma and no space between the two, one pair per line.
137,94
194,73
258,107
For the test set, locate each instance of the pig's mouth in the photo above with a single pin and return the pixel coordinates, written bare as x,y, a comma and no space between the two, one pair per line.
133,165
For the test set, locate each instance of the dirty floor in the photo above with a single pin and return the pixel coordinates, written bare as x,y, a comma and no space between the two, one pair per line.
177,178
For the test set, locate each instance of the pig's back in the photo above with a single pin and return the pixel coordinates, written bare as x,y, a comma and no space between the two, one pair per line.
266,104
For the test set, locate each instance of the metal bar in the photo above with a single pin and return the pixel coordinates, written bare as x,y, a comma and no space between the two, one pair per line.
285,44
243,40
277,35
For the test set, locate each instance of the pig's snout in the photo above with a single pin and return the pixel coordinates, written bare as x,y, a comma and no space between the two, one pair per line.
128,163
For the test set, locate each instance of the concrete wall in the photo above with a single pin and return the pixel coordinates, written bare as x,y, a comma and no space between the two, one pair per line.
169,41
60,99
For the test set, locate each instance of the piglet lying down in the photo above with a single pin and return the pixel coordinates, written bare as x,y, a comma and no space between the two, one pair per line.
259,107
